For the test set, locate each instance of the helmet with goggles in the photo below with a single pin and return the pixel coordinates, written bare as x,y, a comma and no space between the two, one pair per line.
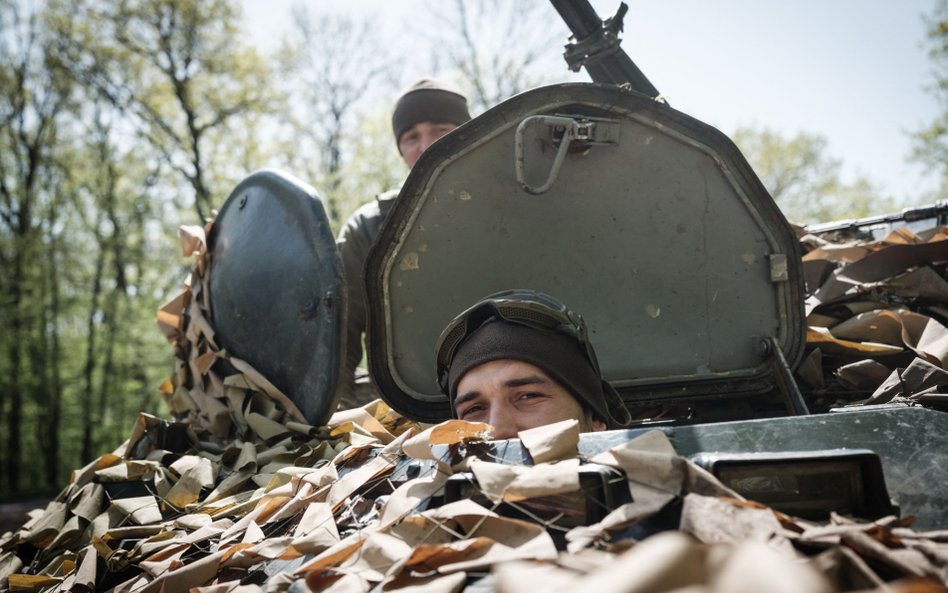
535,328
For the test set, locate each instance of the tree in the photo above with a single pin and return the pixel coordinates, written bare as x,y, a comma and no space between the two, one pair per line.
336,66
374,165
804,180
32,99
498,48
931,143
179,69
78,260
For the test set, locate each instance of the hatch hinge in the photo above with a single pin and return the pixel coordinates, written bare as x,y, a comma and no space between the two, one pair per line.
567,133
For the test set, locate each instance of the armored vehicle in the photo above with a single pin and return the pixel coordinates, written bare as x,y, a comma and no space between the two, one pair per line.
649,223
707,318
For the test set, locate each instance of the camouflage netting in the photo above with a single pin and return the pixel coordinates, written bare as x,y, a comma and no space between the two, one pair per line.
239,494
876,313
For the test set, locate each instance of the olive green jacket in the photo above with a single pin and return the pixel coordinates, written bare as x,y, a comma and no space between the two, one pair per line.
354,241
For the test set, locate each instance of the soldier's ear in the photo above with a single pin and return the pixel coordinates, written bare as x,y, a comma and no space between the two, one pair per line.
590,423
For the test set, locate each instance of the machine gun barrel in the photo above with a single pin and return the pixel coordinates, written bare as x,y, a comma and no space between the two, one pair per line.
938,210
597,46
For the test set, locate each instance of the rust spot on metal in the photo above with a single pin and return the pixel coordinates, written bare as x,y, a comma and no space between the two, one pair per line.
409,262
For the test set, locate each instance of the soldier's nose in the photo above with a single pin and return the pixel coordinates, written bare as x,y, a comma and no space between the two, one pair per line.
504,427
427,140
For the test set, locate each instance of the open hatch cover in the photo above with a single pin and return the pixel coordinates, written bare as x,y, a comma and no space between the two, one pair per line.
650,224
276,292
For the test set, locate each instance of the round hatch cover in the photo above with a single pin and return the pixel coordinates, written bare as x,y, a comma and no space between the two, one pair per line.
276,291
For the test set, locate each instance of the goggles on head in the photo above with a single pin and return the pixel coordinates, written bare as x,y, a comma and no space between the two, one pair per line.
524,307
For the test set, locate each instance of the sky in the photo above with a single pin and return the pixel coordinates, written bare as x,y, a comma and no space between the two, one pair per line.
853,71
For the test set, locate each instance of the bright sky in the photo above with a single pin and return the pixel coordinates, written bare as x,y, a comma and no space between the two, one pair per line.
854,71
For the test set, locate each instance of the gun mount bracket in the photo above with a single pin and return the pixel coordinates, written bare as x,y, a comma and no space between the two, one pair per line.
601,42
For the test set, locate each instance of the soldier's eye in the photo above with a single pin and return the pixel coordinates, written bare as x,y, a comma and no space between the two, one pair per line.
470,411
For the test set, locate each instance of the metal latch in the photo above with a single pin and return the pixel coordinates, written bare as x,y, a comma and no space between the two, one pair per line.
562,131
779,268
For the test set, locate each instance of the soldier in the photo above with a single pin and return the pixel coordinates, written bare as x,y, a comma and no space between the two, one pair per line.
426,111
520,359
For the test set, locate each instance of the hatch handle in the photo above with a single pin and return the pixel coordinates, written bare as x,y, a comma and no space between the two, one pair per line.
568,127
563,131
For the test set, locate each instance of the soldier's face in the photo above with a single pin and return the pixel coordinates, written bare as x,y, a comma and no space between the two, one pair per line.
511,396
419,137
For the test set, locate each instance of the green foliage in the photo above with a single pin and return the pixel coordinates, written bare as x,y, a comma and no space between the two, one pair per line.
374,165
804,180
86,261
931,143
334,67
179,70
29,179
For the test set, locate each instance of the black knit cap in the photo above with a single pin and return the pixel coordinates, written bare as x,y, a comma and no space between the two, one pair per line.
428,100
561,356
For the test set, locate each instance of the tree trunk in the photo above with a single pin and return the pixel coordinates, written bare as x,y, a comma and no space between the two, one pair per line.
53,425
110,317
86,400
15,393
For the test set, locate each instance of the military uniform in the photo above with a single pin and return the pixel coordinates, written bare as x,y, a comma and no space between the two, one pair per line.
425,101
354,241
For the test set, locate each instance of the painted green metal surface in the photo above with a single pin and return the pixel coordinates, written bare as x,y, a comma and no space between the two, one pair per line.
911,442
276,289
655,229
